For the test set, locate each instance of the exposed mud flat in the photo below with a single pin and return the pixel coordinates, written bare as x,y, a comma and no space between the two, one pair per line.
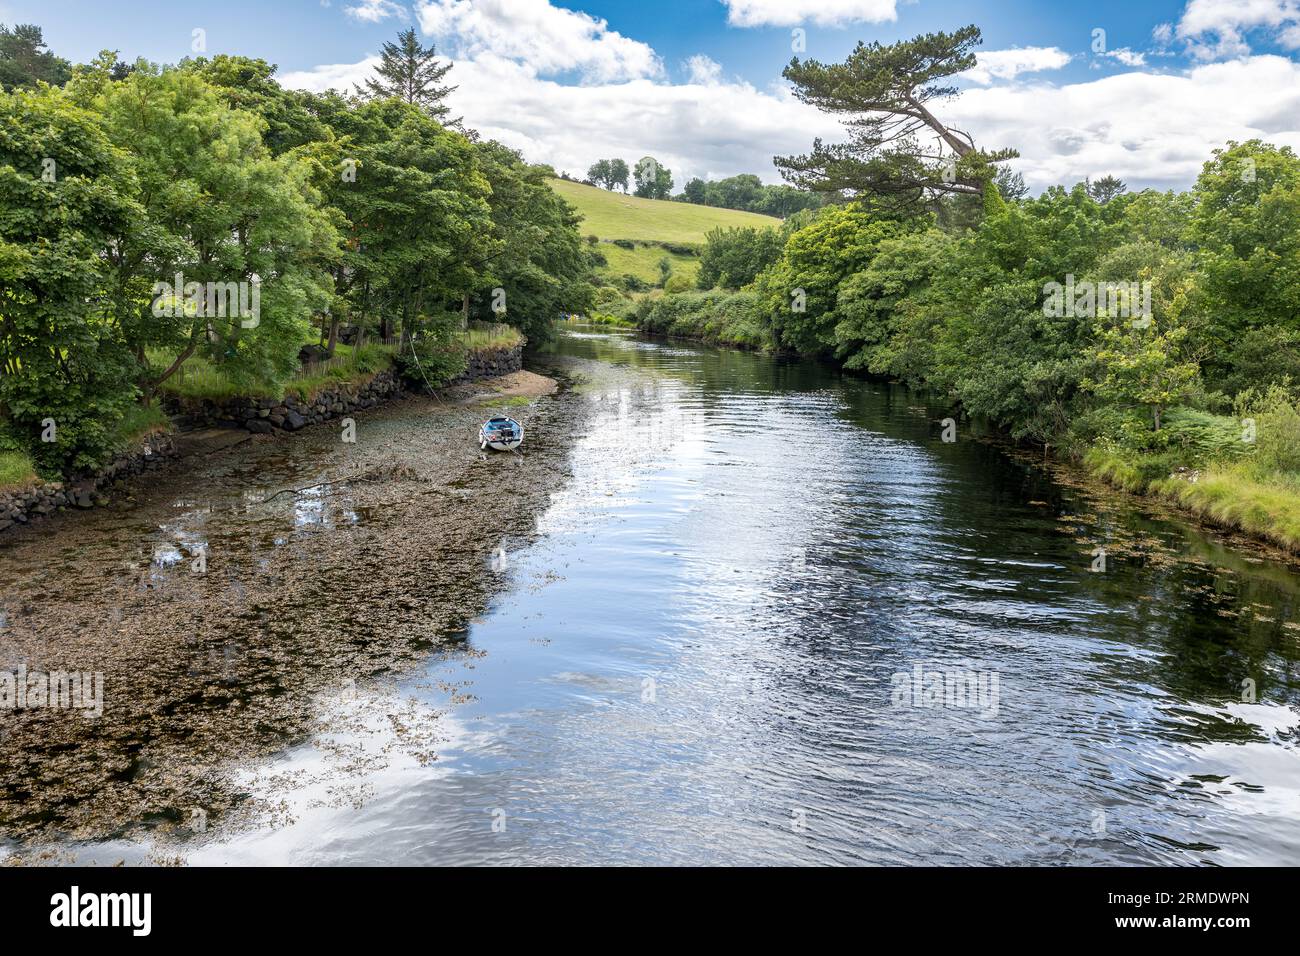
221,601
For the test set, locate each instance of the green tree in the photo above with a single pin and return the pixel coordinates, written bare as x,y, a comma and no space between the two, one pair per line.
618,174
230,216
885,94
1246,227
694,192
417,203
652,180
599,173
1105,189
538,260
412,73
1145,366
25,60
249,84
801,289
733,258
883,311
67,195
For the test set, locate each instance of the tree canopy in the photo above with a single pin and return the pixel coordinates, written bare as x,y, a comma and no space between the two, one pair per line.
409,71
898,149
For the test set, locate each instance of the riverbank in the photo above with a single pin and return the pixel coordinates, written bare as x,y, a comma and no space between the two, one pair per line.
1221,494
332,395
220,600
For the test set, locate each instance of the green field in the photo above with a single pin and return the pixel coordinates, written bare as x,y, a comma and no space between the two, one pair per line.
643,262
613,215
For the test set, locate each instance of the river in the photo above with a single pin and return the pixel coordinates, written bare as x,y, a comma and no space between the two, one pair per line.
701,621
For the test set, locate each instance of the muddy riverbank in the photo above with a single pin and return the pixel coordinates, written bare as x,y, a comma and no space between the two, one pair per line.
220,598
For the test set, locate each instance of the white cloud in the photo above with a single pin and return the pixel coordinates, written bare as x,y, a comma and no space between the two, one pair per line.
1147,128
376,11
1127,56
331,76
706,127
1216,29
1007,64
823,13
548,39
704,70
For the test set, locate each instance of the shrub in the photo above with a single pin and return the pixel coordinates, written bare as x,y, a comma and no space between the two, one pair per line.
434,357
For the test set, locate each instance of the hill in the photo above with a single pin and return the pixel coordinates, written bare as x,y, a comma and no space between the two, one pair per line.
650,224
611,215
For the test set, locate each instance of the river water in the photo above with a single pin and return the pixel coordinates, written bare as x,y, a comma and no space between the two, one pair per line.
766,615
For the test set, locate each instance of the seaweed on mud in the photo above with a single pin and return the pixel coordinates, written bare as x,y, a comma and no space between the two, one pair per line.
337,582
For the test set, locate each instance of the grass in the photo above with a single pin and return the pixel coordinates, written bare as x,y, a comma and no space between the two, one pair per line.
643,262
1231,494
495,337
140,422
611,215
1232,497
197,379
16,471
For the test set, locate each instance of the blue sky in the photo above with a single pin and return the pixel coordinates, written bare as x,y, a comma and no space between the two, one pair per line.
697,82
299,34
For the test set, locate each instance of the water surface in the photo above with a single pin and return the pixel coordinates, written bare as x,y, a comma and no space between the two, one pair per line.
690,655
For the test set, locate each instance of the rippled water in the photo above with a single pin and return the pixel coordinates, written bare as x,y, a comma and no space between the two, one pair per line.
697,659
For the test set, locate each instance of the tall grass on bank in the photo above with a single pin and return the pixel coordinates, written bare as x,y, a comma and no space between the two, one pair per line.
482,335
1240,473
1233,498
198,379
16,471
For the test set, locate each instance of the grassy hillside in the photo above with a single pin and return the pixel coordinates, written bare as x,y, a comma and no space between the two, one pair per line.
648,222
612,215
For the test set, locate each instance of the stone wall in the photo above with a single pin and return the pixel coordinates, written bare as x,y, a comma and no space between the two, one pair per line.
20,507
258,415
489,363
266,415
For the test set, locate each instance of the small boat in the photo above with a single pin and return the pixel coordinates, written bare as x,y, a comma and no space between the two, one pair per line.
501,434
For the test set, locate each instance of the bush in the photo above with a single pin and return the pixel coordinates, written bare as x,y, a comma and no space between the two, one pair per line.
625,243
1276,413
732,318
434,357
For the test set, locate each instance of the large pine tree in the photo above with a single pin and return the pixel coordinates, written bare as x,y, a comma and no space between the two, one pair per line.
411,72
25,60
898,150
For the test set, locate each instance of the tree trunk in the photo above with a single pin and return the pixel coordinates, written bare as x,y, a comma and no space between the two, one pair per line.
334,334
464,312
152,388
955,144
